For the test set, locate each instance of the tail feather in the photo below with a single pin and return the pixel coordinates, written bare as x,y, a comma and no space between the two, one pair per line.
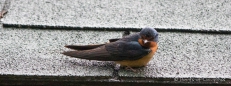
113,40
99,53
83,47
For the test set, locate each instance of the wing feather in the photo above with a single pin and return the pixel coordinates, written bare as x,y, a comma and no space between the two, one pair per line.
123,50
99,53
126,48
83,47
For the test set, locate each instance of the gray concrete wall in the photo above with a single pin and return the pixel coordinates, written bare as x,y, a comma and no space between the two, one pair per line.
186,14
28,51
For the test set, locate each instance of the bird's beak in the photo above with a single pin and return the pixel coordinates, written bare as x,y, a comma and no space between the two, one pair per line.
145,41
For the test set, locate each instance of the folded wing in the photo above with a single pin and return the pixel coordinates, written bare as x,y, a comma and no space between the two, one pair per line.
124,50
83,47
115,51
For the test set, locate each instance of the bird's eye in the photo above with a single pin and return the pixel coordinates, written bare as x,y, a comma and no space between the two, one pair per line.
150,38
142,37
147,35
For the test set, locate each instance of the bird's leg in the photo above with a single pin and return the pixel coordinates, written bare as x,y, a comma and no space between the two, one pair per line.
115,73
130,68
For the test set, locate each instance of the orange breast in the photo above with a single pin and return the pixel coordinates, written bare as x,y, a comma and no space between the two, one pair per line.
140,62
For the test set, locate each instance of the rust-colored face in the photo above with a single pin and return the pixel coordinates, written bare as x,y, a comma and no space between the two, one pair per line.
149,34
147,38
146,41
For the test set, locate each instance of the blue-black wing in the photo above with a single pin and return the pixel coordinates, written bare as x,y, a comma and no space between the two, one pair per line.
126,48
123,50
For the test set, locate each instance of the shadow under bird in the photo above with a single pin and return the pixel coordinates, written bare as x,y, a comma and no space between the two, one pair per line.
134,50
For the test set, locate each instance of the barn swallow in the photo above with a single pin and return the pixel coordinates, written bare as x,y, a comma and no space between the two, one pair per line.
134,50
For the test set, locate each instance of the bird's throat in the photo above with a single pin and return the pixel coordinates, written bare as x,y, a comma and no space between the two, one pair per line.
148,44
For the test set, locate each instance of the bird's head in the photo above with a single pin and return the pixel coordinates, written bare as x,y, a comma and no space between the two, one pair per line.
148,37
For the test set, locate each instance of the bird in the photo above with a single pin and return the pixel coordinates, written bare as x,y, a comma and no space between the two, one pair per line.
132,51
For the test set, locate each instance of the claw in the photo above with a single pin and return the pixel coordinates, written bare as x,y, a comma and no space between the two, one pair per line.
130,68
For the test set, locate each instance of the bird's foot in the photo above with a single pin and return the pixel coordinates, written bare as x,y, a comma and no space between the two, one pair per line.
130,68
